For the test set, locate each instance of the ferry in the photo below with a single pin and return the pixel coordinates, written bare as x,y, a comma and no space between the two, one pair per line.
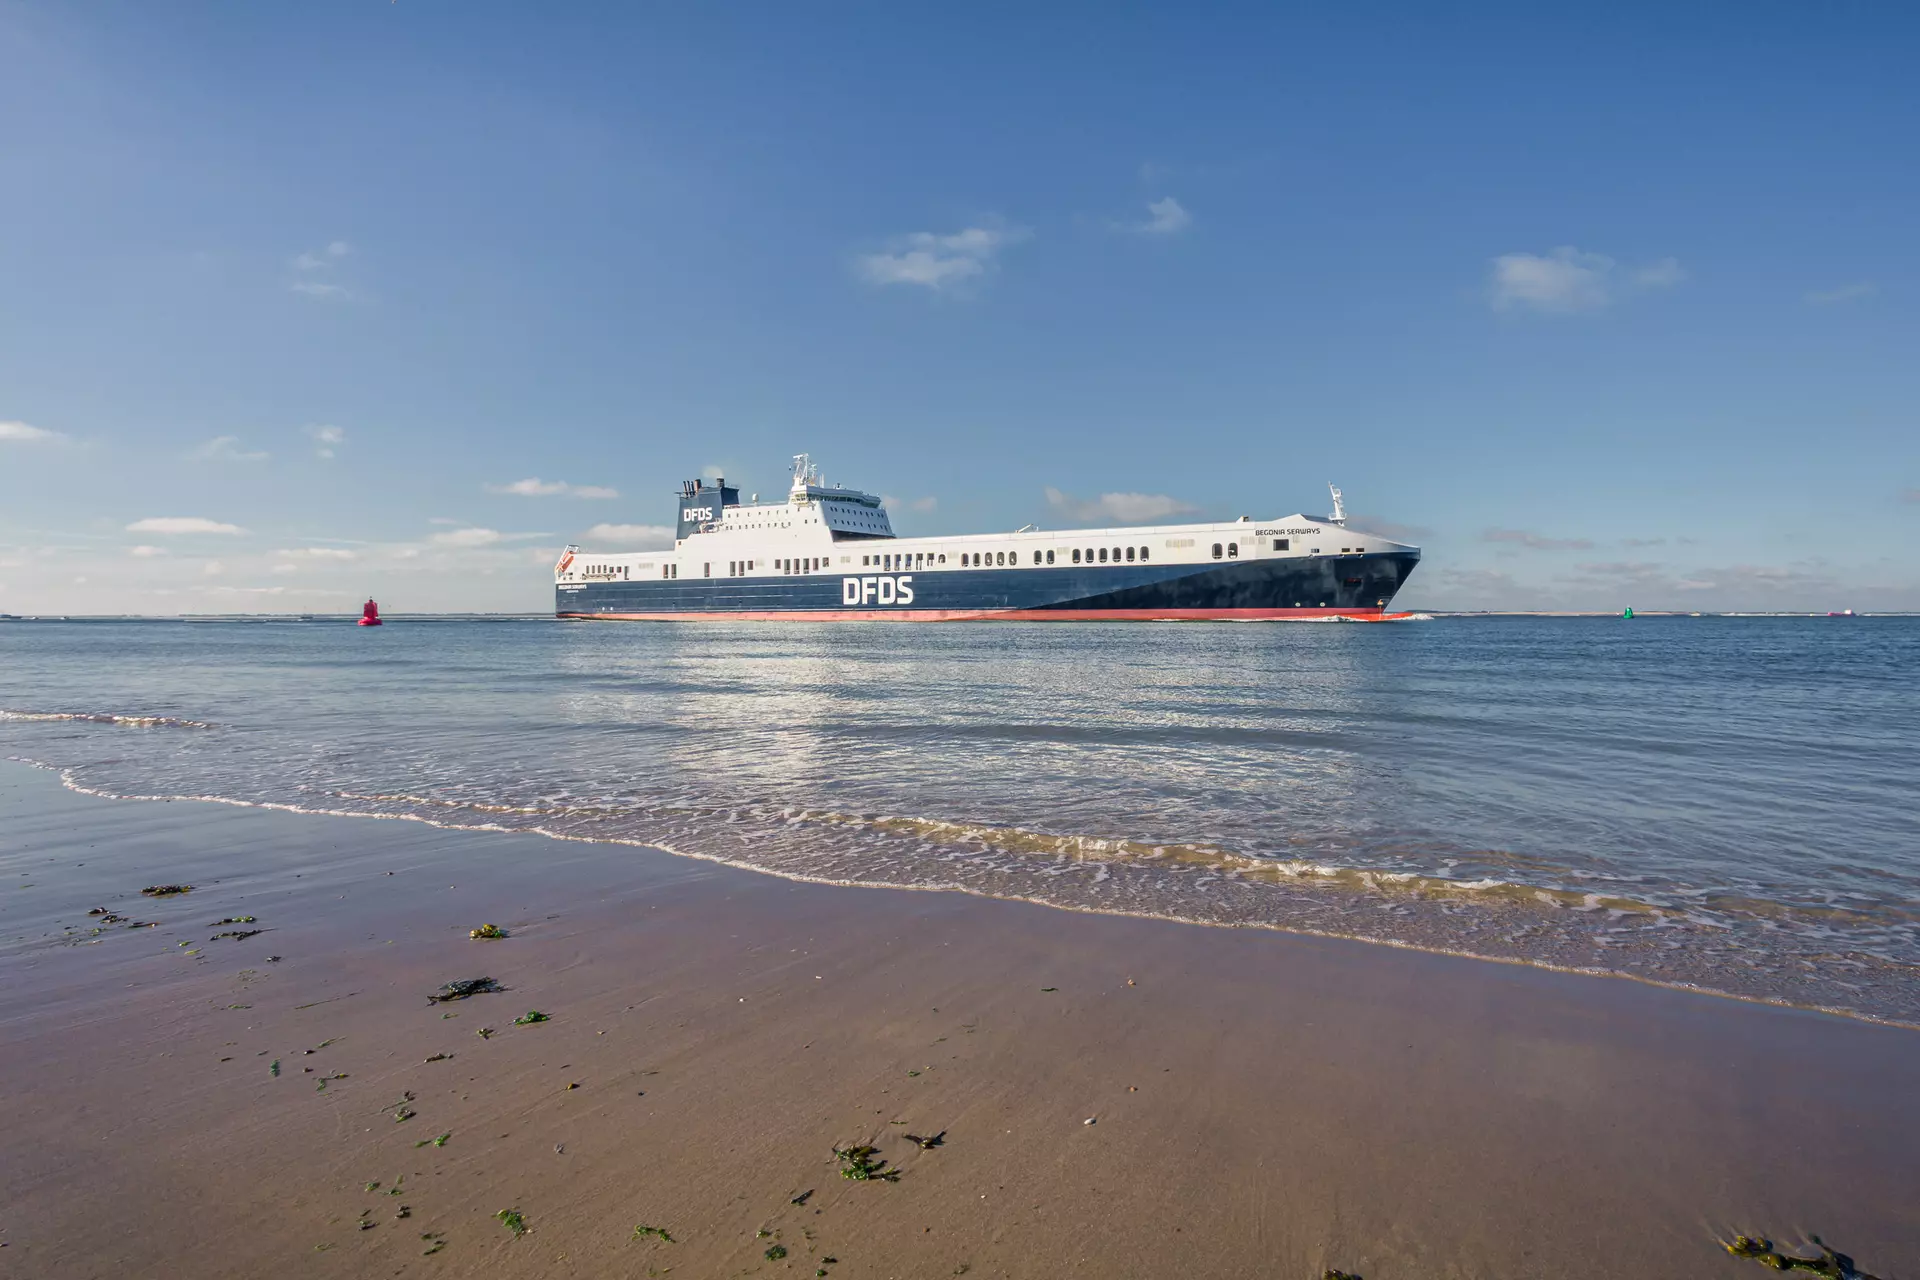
828,553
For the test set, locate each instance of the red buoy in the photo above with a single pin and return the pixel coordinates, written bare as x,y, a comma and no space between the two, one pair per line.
370,616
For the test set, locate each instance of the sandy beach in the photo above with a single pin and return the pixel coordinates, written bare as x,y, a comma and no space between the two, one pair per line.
1112,1096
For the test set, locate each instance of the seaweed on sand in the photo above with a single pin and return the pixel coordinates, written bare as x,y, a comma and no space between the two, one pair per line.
1838,1266
927,1144
166,890
641,1233
530,1017
514,1221
858,1163
461,988
487,931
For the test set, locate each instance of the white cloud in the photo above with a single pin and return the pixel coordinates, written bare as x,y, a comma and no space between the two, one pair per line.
286,568
924,504
466,538
182,524
1168,217
320,289
21,433
651,536
1536,542
145,552
326,439
1564,280
478,537
212,569
1845,293
319,553
1121,508
938,261
1567,280
534,487
316,263
227,449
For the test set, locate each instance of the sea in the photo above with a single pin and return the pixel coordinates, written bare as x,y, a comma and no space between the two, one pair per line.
1725,804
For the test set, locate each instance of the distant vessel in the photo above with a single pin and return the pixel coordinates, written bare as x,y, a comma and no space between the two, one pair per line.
370,616
829,553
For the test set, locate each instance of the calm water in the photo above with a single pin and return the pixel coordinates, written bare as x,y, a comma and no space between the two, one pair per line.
1732,803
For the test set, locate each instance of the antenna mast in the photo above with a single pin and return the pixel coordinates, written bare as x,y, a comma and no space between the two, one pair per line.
1339,515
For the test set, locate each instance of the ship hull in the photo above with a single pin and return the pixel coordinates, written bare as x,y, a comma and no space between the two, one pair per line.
1357,586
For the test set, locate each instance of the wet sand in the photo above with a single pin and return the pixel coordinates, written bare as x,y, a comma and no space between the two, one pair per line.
1264,1104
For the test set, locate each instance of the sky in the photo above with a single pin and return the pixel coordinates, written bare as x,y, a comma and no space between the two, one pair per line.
1600,305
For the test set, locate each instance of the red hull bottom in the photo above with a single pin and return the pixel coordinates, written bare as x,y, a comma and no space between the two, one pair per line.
1008,615
370,622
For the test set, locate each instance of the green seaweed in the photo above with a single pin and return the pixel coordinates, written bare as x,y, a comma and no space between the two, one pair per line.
1838,1266
641,1233
927,1144
530,1017
858,1163
233,920
166,890
438,1243
274,1067
440,1141
1049,988
514,1221
487,931
776,1252
1331,1274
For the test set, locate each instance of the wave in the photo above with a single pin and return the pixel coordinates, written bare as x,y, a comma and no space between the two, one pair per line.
1741,948
136,722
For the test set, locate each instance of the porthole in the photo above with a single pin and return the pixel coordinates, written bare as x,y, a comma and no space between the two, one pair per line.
1216,551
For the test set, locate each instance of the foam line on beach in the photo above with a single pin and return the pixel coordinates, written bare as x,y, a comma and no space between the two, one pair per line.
91,717
69,779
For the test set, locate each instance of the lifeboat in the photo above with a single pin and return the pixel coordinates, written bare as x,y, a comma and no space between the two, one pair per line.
370,616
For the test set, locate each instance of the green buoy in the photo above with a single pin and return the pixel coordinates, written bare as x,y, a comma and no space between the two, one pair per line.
1629,613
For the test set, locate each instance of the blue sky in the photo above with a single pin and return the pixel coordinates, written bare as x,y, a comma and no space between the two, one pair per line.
1602,308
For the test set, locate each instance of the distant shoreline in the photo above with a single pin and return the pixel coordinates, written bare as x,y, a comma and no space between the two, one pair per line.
548,617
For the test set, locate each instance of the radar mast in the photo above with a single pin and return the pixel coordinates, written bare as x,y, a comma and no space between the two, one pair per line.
1339,515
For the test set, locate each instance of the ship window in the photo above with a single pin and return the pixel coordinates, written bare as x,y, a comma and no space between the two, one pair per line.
1103,555
1143,553
1129,553
1233,550
1076,555
1037,557
706,569
1000,557
1216,551
1049,557
943,557
1282,544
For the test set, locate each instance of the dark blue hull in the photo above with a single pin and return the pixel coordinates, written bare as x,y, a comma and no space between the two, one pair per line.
1360,585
